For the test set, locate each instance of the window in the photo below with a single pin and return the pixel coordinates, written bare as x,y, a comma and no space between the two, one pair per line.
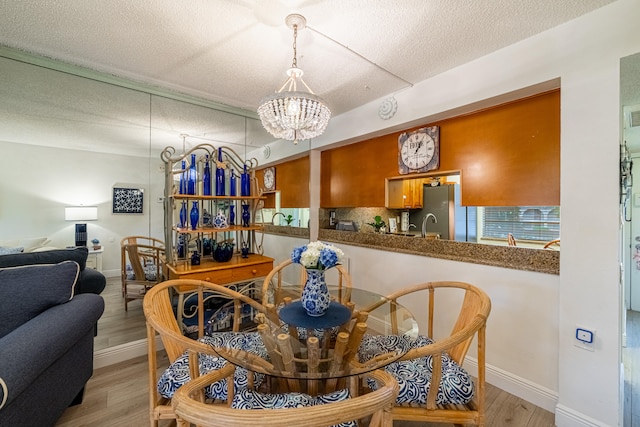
536,223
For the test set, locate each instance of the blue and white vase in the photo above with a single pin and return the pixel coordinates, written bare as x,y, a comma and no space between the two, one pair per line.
220,221
315,295
194,216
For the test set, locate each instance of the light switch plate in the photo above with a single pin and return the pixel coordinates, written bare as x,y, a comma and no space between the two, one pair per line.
585,338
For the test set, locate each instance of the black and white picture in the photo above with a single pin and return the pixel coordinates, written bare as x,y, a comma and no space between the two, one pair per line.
127,200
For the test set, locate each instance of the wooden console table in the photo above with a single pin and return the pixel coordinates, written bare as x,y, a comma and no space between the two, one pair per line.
238,269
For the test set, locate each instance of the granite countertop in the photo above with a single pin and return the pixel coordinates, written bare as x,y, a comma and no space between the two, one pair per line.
286,230
518,258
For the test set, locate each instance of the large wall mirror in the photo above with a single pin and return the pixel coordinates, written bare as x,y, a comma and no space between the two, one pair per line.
69,136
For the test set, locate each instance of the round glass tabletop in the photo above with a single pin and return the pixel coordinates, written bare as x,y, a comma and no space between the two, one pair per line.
365,333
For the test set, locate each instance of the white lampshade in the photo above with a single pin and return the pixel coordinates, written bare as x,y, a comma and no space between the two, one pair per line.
81,213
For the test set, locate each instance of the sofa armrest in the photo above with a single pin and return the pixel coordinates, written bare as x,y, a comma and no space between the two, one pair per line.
31,348
90,281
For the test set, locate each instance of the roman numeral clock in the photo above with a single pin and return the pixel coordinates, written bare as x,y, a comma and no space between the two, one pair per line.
419,151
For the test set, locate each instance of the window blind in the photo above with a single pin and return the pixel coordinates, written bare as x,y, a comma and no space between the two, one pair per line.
537,223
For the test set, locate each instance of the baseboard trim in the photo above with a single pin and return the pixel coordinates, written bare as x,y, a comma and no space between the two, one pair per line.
567,417
518,386
122,353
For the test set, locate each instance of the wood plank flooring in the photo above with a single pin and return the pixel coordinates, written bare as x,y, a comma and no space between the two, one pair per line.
631,360
117,396
117,326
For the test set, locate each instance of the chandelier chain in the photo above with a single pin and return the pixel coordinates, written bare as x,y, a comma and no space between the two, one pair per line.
295,49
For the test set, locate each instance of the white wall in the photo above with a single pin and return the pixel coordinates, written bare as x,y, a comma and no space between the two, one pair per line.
38,182
533,321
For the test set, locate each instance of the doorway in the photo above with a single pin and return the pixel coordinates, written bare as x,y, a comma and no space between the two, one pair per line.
630,230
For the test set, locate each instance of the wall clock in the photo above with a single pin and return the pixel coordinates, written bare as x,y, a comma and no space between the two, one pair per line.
419,151
269,179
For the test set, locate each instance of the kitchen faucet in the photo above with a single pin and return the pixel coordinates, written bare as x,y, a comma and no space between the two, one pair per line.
424,223
275,215
406,233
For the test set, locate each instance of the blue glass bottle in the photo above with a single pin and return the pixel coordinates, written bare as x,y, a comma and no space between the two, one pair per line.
246,216
191,180
245,183
182,189
181,246
183,215
219,175
194,215
206,178
232,215
233,183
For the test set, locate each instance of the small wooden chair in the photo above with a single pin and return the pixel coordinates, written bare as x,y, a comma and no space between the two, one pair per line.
161,320
141,266
190,409
471,322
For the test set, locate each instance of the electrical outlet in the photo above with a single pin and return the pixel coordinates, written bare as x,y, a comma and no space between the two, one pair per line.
585,338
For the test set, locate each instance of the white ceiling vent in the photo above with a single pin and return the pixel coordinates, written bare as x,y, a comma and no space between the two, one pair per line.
632,116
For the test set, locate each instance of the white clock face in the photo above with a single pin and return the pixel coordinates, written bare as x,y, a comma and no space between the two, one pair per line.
417,150
269,179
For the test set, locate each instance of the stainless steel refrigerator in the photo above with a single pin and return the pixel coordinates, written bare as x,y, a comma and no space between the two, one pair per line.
455,222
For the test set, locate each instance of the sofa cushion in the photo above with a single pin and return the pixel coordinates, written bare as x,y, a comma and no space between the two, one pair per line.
28,245
27,291
78,255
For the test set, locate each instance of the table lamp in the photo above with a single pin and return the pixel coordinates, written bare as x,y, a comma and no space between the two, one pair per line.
81,213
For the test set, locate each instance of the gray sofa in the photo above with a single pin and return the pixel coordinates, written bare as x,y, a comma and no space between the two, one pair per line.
90,280
46,342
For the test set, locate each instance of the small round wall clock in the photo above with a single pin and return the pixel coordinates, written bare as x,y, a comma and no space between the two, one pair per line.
419,151
269,179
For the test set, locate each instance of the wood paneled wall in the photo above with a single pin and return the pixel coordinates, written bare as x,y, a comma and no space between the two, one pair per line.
509,155
292,180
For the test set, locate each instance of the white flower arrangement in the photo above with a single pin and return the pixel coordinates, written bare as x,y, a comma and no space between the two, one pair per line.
317,255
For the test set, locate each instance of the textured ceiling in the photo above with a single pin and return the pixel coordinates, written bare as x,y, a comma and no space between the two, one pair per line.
236,52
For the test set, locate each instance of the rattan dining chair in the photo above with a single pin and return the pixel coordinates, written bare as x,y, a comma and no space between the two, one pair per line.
246,408
141,266
159,305
459,399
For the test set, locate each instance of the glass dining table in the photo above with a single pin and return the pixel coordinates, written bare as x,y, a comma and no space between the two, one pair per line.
361,331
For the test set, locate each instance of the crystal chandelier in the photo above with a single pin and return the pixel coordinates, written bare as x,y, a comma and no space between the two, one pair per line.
291,114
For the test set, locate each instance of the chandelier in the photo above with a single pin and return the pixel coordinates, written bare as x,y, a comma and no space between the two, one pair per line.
289,113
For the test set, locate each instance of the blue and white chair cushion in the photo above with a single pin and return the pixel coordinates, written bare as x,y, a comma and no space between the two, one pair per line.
150,272
414,376
248,399
177,373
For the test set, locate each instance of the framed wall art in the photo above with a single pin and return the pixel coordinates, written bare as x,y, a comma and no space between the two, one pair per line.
128,200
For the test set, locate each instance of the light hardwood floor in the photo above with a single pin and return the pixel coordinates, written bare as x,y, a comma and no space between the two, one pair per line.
117,326
631,360
117,395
